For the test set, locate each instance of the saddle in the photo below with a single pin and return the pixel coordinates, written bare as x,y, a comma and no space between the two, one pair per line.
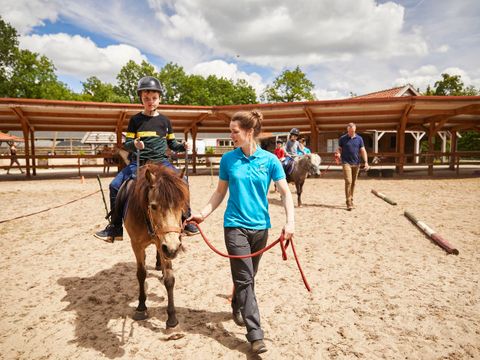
288,165
121,203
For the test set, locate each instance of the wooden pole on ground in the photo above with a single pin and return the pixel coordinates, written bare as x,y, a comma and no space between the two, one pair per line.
437,238
382,196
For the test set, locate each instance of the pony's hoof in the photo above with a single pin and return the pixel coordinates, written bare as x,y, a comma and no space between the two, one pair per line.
172,323
140,315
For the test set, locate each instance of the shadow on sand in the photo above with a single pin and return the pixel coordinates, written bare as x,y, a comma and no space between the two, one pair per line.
105,296
277,202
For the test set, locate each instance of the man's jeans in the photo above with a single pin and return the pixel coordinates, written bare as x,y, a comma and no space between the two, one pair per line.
350,174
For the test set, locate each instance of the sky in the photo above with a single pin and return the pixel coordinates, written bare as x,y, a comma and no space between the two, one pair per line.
343,46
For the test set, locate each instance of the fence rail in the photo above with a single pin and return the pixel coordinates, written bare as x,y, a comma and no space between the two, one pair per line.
431,159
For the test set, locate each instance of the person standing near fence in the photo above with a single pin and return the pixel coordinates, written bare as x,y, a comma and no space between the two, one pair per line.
13,158
350,146
246,173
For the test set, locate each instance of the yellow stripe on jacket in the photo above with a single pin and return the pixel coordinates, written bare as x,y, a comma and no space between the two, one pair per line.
146,134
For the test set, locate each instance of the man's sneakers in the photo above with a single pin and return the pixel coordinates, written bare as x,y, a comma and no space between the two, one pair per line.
258,347
190,230
111,233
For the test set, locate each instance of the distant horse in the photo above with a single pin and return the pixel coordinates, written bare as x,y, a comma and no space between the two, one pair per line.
156,201
304,165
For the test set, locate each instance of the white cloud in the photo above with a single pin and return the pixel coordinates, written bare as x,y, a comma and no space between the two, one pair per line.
221,68
277,33
429,74
324,94
350,45
281,33
23,15
80,56
443,49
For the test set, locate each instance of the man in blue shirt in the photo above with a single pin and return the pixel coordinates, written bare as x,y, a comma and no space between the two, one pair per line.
350,146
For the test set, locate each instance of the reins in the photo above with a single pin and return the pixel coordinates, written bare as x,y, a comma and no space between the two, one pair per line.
328,167
283,245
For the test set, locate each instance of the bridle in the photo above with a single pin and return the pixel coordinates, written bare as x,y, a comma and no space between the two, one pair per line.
158,231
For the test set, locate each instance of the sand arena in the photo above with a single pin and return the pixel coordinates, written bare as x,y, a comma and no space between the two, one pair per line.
381,288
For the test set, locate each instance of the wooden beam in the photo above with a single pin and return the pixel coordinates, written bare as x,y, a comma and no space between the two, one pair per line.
27,128
32,145
431,136
401,136
313,129
25,122
196,121
194,149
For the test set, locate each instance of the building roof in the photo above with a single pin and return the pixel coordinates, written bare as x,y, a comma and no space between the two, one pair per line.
381,113
405,90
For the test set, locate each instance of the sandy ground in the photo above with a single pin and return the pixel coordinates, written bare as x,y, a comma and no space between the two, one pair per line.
381,288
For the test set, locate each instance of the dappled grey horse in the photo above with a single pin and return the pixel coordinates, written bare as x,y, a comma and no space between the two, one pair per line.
304,165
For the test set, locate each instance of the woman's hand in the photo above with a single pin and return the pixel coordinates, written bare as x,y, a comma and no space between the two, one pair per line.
288,231
186,145
198,218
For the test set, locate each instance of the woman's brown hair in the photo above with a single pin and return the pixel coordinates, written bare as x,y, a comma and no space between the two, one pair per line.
249,120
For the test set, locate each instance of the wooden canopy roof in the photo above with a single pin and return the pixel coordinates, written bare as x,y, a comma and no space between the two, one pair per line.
407,112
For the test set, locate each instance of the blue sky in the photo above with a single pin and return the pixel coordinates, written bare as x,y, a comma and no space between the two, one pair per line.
357,46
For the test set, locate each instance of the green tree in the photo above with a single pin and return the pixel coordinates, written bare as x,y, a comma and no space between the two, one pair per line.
27,74
291,85
184,89
452,85
33,76
128,78
96,90
244,93
470,141
8,46
173,79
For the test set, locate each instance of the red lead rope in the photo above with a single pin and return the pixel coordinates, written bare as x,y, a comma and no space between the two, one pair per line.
283,245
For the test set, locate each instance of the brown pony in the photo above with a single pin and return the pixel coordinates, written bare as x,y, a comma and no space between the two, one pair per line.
156,201
304,165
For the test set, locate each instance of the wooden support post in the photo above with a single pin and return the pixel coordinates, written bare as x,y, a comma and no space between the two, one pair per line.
194,148
32,144
313,130
401,137
431,136
443,136
26,128
185,138
453,149
118,132
417,136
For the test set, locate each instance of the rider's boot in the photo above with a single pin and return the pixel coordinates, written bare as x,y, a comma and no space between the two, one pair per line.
114,230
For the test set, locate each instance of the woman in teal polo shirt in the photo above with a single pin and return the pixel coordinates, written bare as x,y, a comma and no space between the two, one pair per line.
247,173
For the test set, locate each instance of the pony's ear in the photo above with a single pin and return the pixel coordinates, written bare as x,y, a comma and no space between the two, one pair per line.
182,173
150,177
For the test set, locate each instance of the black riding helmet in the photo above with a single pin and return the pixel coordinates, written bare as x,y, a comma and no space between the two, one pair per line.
295,131
149,83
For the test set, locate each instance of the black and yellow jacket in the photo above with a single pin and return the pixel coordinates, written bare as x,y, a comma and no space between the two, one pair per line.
156,133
